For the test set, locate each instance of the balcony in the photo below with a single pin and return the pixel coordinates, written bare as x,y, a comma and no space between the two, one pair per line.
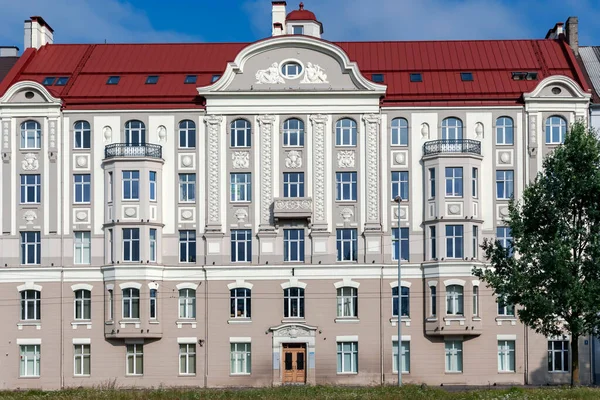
145,150
132,329
452,146
292,208
453,325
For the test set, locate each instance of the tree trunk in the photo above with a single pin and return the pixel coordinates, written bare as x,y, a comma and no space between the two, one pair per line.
574,361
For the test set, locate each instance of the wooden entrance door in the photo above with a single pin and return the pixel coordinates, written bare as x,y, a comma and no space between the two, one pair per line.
294,363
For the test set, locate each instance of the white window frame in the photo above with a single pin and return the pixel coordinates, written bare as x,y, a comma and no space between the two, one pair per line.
187,303
289,255
452,129
346,180
347,302
187,243
240,358
455,241
289,299
27,351
187,132
243,127
400,185
82,247
134,351
298,29
187,359
476,301
433,301
399,131
187,188
81,183
153,243
503,125
79,359
293,183
241,189
453,356
342,368
505,178
475,243
31,131
241,238
457,182
346,133
110,188
152,180
432,183
26,186
290,133
135,133
243,296
504,237
506,356
130,298
133,182
132,242
401,238
36,243
564,351
404,292
433,242
111,304
344,243
82,306
153,304
26,300
505,310
553,123
455,300
81,132
404,356
474,182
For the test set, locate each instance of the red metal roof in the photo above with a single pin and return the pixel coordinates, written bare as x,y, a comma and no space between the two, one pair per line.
301,15
440,63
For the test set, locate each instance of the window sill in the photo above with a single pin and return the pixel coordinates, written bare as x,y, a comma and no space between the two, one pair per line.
82,376
431,319
500,320
347,320
133,375
455,318
186,375
454,197
558,372
181,323
293,321
403,372
394,321
453,372
30,377
347,373
37,324
241,374
476,318
82,203
234,321
130,200
109,323
507,372
154,322
76,324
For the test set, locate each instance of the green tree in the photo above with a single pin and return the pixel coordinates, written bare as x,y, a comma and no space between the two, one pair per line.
554,275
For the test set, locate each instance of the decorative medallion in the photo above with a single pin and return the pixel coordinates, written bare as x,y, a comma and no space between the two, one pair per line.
29,216
186,161
346,214
313,73
293,159
346,158
400,158
130,212
81,216
504,211
504,157
81,161
402,212
30,162
241,159
187,215
454,209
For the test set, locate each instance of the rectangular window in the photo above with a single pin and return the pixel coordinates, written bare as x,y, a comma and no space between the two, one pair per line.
454,241
135,359
187,359
433,292
504,184
152,179
153,304
131,244
241,245
506,356
454,182
504,237
241,187
111,253
455,300
347,357
30,360
111,304
400,243
453,349
347,302
187,187
187,304
82,253
293,245
82,188
241,359
81,359
31,190
416,77
474,182
293,184
131,303
504,309
431,183
404,301
558,356
298,29
433,242
347,245
475,241
187,246
475,301
153,245
404,356
31,248
110,187
31,303
345,183
241,302
190,79
131,185
400,185
113,80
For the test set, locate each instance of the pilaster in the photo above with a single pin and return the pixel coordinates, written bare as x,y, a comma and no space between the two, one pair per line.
319,211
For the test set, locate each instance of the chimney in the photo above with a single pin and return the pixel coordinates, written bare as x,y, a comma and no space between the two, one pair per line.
9,51
37,33
555,32
278,17
572,34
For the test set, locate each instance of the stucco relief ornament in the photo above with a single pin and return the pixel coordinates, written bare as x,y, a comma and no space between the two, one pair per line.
505,157
346,159
187,215
5,134
293,159
29,216
241,215
454,209
425,131
162,134
241,159
400,158
346,214
52,125
107,133
314,74
30,162
270,75
479,130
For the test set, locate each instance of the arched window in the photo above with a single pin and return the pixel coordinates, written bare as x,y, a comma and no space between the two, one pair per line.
135,133
345,132
556,129
153,304
187,303
82,135
83,304
241,303
31,305
399,132
347,302
31,135
293,302
131,303
452,129
241,133
454,300
404,301
187,134
504,131
293,133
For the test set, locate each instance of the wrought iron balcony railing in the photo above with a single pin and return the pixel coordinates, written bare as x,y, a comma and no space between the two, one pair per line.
441,146
133,150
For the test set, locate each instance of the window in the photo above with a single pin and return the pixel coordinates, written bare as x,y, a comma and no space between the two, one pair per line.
49,81
291,70
399,132
190,79
293,133
347,245
453,349
131,244
241,245
83,304
153,304
475,301
187,246
474,182
404,356
454,241
293,184
31,305
131,303
241,133
30,360
293,302
504,309
433,305
345,132
466,76
152,179
241,359
400,243
31,248
31,134
152,80
454,182
241,303
215,78
347,357
454,300
377,78
433,243
506,356
404,301
135,359
346,187
110,246
347,302
504,131
31,190
131,185
400,184
504,236
187,303
558,356
62,81
475,241
135,133
113,80
187,359
187,187
298,29
81,359
556,130
504,184
431,183
82,135
293,245
241,187
416,77
110,187
111,304
452,129
82,188
153,245
187,134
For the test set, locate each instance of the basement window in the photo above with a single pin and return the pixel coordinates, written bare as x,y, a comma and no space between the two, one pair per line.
466,76
190,79
113,80
416,77
62,81
49,81
378,78
152,80
215,78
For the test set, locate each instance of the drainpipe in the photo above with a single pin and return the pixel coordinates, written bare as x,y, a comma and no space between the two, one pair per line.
205,327
62,256
526,335
382,380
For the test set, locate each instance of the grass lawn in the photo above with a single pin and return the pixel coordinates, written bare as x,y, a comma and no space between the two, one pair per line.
311,392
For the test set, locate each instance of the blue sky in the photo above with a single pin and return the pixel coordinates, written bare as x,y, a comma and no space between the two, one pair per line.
94,21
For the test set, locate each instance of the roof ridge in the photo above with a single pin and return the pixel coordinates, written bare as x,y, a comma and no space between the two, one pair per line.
84,59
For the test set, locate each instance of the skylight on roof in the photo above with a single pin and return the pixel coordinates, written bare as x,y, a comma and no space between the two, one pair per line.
113,80
378,78
466,76
416,77
190,79
62,81
524,76
215,78
151,79
49,81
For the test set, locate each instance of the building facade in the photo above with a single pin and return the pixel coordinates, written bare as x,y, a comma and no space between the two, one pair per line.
224,214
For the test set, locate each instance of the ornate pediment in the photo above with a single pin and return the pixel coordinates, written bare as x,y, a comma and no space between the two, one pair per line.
292,330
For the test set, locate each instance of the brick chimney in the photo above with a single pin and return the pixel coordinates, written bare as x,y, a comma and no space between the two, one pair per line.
572,33
278,17
37,33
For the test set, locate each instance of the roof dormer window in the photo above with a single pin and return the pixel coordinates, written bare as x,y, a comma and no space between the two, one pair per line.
62,81
298,29
49,81
215,78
